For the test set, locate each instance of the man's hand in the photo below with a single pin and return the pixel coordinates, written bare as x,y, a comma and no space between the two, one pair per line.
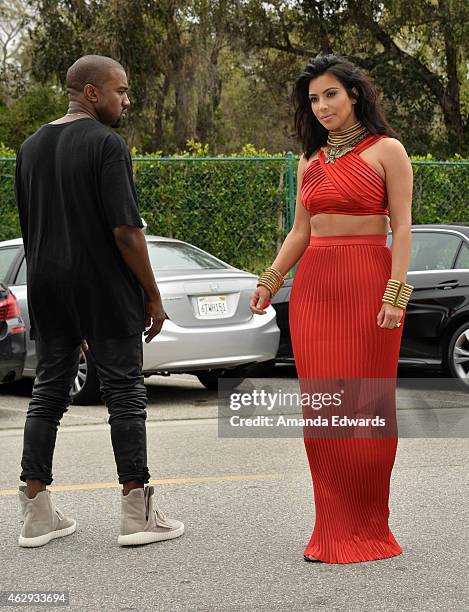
154,316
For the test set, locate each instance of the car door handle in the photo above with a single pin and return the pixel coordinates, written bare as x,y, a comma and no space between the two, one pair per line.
448,284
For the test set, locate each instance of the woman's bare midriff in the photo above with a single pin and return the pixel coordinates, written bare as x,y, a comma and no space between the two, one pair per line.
326,224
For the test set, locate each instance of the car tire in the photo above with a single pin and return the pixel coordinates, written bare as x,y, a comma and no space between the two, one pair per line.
209,378
459,346
85,389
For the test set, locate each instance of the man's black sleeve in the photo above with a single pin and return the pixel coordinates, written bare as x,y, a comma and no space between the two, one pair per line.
117,188
21,201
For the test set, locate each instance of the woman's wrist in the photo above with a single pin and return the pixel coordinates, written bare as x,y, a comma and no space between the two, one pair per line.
272,280
397,293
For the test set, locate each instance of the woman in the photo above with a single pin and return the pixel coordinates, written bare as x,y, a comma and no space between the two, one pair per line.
348,298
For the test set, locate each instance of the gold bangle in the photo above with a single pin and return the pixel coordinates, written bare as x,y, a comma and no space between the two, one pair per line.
397,293
272,279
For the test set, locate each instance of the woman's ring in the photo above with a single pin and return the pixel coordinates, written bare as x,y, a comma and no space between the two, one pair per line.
398,324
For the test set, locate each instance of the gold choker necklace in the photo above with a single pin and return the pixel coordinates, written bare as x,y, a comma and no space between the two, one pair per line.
341,142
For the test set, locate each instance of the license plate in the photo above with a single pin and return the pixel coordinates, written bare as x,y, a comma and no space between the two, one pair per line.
212,305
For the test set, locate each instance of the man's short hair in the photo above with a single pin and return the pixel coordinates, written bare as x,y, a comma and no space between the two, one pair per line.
92,69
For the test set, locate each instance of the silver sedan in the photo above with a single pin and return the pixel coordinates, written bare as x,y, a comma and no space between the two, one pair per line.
210,332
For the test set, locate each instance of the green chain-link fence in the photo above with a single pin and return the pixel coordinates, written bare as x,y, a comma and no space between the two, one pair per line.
240,208
440,192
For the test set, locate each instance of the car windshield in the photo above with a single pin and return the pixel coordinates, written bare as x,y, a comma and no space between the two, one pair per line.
180,256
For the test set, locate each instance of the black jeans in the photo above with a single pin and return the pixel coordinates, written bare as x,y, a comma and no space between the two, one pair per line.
119,367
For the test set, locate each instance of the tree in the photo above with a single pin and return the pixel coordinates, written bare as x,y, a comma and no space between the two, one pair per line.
14,17
27,113
416,52
439,25
221,71
169,48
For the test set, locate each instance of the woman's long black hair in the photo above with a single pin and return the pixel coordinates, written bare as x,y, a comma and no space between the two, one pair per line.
368,108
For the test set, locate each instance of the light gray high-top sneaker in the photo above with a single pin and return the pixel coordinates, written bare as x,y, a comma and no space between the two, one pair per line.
142,522
43,521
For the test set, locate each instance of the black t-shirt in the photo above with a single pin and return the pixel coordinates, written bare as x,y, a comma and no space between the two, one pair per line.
73,186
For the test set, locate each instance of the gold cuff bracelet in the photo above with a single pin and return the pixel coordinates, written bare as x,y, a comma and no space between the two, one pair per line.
271,279
397,293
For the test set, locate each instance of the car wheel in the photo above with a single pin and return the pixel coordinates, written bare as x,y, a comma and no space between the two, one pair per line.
457,357
85,389
209,378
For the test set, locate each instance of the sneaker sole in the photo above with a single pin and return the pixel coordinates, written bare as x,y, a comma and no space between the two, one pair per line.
147,537
47,537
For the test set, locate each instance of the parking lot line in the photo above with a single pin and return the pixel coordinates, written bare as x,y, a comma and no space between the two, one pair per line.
9,432
164,481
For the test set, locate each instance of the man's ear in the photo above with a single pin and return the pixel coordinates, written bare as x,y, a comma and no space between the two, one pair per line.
89,91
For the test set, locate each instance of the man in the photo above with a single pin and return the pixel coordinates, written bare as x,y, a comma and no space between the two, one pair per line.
89,277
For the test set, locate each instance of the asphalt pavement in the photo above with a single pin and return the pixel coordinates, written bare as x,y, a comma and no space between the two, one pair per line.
248,509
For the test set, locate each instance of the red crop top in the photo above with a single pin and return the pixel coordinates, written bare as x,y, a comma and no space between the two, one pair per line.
349,186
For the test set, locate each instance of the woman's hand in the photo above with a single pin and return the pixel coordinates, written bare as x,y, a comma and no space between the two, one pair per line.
260,299
389,317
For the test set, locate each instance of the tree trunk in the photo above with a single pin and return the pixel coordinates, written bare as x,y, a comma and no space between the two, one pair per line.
159,139
210,90
318,8
183,81
184,115
451,102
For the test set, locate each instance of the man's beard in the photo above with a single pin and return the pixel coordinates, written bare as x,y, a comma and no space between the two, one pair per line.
119,122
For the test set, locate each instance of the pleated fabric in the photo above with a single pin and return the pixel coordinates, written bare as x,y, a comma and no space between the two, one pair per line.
335,298
349,186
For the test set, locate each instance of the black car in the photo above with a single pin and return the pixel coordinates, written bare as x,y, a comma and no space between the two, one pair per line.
12,337
436,328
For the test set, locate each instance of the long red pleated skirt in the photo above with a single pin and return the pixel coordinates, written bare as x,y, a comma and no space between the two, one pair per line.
335,299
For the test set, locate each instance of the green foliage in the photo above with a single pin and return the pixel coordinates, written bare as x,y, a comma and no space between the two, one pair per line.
222,72
416,53
9,223
440,190
40,105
